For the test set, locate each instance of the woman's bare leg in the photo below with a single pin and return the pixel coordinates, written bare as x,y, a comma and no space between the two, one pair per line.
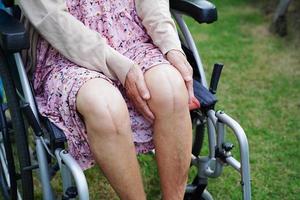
172,128
108,126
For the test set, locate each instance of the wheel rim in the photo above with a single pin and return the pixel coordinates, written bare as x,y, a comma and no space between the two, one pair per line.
18,135
198,133
5,178
8,173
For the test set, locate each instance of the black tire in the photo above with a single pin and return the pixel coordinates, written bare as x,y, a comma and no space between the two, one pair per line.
198,137
205,196
199,131
3,185
8,179
19,133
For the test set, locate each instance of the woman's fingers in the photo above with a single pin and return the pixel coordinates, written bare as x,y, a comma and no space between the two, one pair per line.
140,104
138,92
190,89
189,82
141,86
144,109
183,68
178,60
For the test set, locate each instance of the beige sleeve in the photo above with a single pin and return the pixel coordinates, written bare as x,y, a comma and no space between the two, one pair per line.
156,17
78,43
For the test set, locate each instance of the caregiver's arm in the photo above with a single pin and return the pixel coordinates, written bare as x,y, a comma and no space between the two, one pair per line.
156,18
73,39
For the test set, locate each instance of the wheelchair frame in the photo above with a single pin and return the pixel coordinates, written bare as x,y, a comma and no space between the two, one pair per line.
210,166
216,131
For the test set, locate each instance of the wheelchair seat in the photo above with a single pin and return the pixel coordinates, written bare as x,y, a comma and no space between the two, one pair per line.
201,10
13,36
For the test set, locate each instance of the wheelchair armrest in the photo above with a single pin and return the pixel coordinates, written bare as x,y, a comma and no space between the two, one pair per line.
201,10
205,97
13,36
57,136
8,3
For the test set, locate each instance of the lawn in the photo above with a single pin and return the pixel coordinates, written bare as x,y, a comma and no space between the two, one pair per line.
260,88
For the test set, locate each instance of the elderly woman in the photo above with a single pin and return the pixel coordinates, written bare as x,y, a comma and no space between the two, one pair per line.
112,75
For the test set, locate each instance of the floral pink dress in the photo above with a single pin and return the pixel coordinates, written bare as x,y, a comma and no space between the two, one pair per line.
57,80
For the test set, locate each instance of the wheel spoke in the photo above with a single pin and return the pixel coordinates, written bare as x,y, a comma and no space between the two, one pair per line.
4,164
19,195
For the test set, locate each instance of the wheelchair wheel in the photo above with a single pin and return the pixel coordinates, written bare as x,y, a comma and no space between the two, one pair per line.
198,136
205,196
3,184
8,182
16,180
198,121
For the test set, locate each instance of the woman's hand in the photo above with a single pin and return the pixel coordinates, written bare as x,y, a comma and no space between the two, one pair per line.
138,92
179,61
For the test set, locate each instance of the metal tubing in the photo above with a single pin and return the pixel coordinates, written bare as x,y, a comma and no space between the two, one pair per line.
65,172
25,85
66,178
204,166
77,173
234,163
218,167
57,152
217,171
191,44
44,173
211,114
211,138
220,135
189,189
41,154
211,131
244,152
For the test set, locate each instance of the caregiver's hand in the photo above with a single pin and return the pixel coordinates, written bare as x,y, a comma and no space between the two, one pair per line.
179,61
138,92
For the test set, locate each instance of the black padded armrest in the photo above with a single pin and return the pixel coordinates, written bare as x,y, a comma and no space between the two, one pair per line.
201,10
57,136
205,97
8,3
13,36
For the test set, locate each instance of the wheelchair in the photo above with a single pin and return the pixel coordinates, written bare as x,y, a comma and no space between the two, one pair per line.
29,142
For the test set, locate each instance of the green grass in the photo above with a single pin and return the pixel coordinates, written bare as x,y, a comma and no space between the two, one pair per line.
260,88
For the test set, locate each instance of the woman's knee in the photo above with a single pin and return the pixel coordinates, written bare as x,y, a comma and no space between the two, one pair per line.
167,89
102,106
